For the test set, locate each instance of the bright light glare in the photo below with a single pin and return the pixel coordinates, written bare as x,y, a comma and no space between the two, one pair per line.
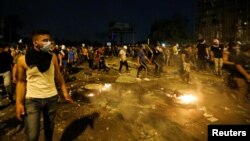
187,99
106,86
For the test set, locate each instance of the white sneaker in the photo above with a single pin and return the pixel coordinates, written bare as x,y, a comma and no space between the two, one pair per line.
146,79
138,79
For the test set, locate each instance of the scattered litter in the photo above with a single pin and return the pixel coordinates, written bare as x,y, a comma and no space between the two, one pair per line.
204,109
153,107
226,108
207,115
141,112
93,86
212,119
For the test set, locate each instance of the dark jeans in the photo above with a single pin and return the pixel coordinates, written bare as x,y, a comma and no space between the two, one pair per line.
34,107
143,65
158,66
123,63
91,63
202,64
102,65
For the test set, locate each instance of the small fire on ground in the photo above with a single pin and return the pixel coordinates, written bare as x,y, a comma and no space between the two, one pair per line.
186,99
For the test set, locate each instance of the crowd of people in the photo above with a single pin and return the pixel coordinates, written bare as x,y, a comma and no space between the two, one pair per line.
29,74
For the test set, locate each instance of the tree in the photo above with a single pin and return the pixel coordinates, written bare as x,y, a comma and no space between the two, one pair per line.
174,29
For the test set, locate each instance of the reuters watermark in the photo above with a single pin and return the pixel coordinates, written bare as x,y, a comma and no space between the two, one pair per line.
235,132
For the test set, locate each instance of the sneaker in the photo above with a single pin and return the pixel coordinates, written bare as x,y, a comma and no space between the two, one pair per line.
146,79
138,79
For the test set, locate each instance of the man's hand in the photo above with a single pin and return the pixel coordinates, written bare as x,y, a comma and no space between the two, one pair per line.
19,111
68,98
14,80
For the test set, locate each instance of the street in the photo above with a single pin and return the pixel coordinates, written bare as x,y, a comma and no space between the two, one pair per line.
117,107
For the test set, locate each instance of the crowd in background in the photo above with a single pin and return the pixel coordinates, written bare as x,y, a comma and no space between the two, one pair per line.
224,60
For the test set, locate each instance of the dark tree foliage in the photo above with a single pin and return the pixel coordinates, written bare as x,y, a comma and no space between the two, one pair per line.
174,29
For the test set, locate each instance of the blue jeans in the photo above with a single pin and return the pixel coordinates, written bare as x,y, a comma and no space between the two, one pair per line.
34,107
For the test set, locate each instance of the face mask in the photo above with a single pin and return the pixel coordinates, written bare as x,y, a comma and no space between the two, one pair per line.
46,46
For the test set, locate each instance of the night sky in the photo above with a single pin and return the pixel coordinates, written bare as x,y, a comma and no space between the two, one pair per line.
89,19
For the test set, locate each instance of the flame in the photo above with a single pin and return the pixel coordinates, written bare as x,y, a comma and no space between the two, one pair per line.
106,86
187,99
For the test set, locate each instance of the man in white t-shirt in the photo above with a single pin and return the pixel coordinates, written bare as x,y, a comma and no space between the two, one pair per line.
36,93
123,58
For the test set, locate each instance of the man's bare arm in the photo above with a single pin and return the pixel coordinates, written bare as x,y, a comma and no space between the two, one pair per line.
243,71
60,80
20,87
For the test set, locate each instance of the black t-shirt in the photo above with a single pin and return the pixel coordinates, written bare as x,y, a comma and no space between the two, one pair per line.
157,55
244,61
5,62
66,54
229,67
202,50
218,51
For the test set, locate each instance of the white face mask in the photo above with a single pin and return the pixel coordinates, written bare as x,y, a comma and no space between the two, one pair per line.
46,46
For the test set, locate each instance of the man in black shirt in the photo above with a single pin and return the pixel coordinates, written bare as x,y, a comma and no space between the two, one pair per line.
217,56
242,76
158,58
202,54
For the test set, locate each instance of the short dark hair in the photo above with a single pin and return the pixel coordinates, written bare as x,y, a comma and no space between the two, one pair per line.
40,32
